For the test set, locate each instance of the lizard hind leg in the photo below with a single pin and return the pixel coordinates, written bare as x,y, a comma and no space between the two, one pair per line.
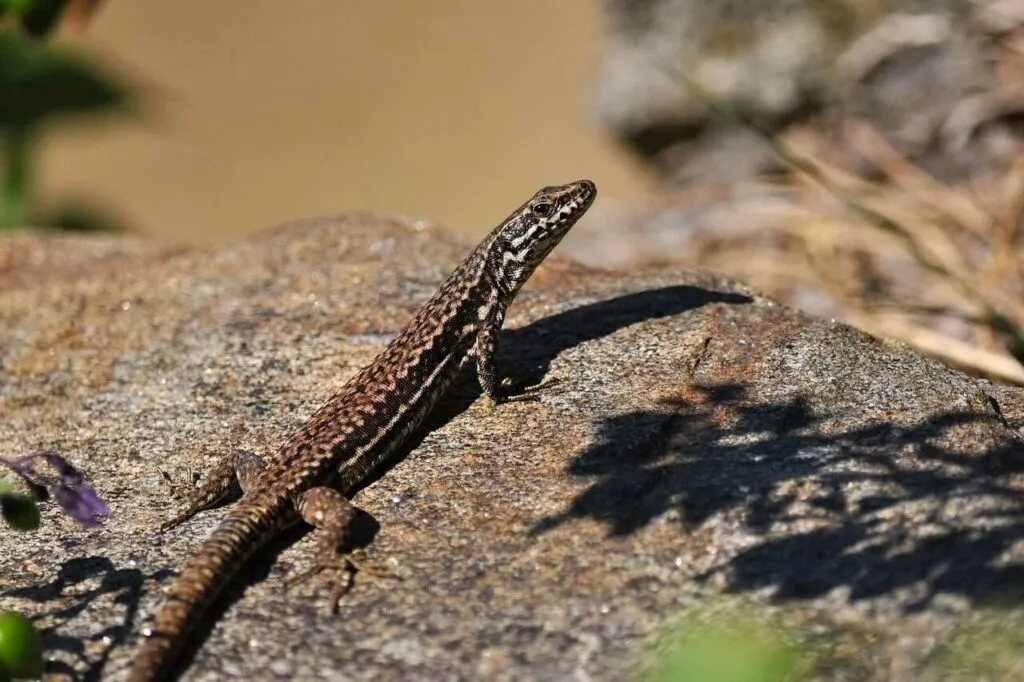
332,515
232,476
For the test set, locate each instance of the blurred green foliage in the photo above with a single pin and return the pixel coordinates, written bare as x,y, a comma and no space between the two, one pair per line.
988,645
41,83
727,639
734,651
21,648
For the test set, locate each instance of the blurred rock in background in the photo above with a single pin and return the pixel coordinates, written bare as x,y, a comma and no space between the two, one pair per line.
938,79
856,159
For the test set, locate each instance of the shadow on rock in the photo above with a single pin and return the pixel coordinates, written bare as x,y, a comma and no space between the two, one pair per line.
885,509
80,583
531,349
525,354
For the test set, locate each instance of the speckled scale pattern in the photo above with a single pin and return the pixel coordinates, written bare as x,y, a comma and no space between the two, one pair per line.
348,438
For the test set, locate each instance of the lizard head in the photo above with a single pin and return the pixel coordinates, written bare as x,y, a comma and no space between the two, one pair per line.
529,234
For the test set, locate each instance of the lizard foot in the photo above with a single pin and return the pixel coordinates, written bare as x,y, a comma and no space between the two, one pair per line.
182,486
528,394
327,568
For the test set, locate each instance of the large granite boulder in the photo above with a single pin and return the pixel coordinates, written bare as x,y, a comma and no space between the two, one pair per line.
707,448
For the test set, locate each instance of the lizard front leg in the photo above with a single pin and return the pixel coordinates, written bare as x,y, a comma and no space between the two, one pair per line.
231,475
486,350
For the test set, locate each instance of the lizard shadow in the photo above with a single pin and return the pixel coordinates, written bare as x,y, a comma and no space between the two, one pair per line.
526,353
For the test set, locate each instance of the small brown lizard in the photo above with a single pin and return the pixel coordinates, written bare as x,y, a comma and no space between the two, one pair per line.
348,439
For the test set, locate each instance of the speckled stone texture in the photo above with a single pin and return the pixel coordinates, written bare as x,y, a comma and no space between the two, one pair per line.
704,440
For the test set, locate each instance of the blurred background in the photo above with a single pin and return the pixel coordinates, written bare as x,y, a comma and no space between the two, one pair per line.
858,159
256,112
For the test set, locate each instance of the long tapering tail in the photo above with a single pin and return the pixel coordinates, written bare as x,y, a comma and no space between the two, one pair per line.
242,532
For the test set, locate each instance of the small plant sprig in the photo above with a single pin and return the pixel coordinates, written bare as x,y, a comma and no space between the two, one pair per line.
45,474
43,83
63,482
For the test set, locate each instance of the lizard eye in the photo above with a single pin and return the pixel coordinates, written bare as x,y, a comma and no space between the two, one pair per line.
541,209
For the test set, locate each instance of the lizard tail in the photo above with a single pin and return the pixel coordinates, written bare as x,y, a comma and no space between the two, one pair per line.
245,529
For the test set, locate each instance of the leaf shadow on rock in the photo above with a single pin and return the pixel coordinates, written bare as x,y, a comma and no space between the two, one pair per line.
89,580
885,510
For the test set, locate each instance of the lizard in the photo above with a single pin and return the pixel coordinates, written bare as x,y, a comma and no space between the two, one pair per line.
348,440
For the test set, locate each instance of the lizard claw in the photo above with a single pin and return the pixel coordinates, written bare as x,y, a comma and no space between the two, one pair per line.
508,393
530,394
182,488
176,521
340,590
348,565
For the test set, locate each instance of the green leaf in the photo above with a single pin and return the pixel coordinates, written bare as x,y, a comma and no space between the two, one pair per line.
20,511
40,81
16,145
21,646
735,652
39,18
17,6
20,6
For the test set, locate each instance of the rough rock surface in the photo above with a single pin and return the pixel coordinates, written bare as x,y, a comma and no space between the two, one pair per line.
704,441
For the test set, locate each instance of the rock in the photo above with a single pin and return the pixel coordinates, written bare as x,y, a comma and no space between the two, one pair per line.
706,446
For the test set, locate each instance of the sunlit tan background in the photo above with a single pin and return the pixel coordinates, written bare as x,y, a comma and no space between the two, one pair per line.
261,111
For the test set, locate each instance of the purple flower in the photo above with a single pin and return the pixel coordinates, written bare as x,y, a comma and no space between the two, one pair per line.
78,499
81,504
